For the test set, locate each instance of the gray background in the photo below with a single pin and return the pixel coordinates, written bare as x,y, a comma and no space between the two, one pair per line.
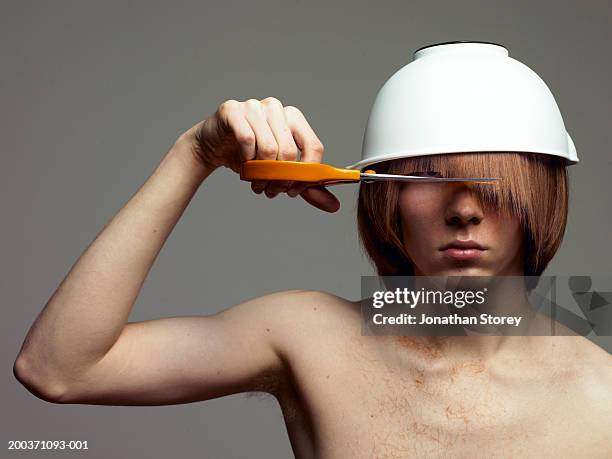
93,94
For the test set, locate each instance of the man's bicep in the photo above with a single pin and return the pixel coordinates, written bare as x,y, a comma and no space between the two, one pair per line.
185,359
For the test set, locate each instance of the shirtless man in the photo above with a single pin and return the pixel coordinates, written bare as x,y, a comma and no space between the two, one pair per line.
343,395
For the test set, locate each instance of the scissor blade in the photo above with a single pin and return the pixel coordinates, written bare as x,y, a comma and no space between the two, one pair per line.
416,178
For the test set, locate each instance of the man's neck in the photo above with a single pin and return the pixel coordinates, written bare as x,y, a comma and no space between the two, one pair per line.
506,296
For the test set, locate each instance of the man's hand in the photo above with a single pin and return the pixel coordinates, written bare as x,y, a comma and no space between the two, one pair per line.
241,131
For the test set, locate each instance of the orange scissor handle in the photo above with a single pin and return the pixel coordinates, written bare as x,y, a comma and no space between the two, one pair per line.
272,169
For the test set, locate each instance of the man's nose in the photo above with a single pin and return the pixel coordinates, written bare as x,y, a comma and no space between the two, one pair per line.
463,207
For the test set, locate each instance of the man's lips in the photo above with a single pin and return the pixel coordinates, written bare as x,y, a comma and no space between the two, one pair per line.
463,250
466,244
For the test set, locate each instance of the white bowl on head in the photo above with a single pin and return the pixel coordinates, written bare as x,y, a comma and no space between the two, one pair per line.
464,96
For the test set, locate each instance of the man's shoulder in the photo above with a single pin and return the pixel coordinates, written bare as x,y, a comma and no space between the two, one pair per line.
283,314
593,355
305,295
290,308
597,392
311,306
595,364
305,323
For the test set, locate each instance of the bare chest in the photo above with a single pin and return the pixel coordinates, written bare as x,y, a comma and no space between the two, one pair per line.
373,410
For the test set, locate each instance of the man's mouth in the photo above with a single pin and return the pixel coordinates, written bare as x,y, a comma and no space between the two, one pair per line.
463,250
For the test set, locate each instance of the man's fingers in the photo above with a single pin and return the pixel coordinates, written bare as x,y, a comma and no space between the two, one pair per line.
279,132
230,118
275,115
275,187
321,198
297,188
266,146
317,196
287,148
305,138
258,186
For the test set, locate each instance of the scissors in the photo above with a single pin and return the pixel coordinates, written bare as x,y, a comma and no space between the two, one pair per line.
325,174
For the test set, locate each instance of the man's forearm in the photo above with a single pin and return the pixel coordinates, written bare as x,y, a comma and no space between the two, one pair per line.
86,314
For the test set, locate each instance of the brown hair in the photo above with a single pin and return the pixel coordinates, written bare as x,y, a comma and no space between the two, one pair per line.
534,188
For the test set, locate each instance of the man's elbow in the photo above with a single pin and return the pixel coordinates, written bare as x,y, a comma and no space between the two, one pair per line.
40,385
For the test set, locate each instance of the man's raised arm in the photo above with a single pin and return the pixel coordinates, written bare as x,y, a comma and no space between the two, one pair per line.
81,349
